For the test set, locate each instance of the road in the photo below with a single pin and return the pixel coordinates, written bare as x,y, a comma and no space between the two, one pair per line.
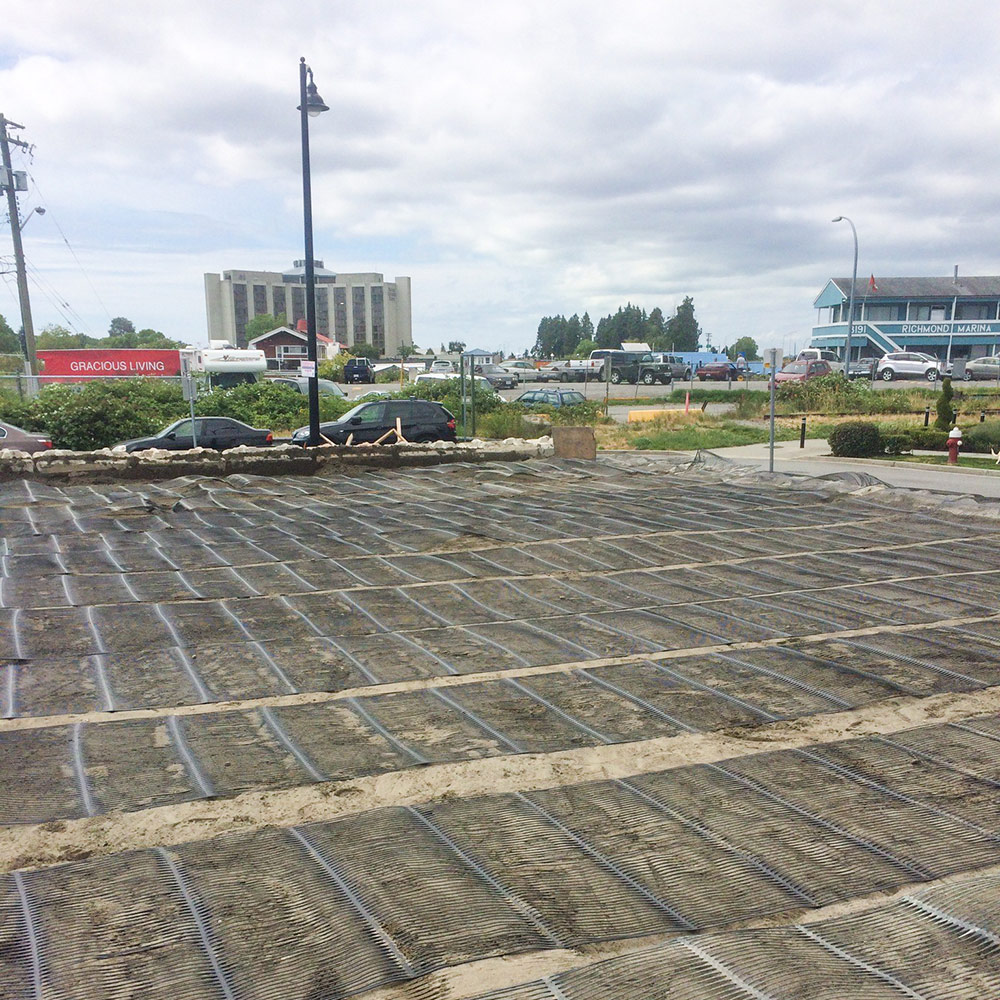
815,460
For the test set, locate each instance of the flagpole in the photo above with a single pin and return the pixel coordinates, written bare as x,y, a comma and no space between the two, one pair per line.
854,281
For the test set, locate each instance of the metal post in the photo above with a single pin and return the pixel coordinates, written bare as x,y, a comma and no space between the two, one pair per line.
15,231
850,308
927,416
773,353
461,388
802,434
310,104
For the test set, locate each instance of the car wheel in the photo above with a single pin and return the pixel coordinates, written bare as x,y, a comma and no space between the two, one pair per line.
887,375
701,378
648,378
616,378
932,374
564,377
967,376
687,375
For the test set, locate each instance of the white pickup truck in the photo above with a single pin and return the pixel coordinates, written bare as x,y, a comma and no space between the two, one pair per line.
819,354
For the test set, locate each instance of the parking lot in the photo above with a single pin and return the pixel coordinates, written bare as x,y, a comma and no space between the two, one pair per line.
313,737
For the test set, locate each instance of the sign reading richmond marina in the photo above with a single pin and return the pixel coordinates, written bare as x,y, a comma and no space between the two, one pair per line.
80,364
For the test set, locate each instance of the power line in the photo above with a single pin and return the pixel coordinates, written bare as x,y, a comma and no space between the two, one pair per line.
69,246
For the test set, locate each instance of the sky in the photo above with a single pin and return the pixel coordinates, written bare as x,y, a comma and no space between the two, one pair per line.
516,160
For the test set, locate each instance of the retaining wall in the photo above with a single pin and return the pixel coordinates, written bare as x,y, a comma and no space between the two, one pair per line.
109,466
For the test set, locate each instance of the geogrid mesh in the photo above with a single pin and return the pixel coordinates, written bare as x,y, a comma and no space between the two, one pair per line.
387,896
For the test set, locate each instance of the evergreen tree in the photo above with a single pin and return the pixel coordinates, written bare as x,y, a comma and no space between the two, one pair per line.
683,331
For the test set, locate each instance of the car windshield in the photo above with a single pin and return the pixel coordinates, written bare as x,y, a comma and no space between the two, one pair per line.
795,368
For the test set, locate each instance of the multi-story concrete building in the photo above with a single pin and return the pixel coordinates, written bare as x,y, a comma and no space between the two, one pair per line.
951,318
350,308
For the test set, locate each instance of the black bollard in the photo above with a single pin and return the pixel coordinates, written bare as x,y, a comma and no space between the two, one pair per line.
982,416
927,417
802,434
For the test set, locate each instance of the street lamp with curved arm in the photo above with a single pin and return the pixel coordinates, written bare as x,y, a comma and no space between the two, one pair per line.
310,105
850,308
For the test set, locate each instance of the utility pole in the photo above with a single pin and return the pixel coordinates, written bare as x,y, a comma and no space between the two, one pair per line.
10,186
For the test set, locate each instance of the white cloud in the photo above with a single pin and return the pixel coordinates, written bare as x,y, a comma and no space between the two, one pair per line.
516,160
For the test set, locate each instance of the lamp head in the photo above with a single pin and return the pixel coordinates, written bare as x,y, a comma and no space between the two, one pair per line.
315,105
839,218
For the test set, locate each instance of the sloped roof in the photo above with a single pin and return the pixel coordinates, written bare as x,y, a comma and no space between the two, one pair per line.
973,286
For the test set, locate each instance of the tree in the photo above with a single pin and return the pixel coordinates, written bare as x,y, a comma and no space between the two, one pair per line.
10,343
369,351
120,326
746,346
682,330
945,411
628,324
58,338
456,346
584,348
264,323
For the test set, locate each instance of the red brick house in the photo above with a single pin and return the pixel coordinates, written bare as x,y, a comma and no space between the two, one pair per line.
285,348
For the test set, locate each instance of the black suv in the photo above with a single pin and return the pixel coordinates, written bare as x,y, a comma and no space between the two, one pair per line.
636,366
359,370
419,420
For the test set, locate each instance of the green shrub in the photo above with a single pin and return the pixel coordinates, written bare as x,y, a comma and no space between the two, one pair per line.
927,438
260,404
982,438
100,413
896,444
945,409
507,422
857,439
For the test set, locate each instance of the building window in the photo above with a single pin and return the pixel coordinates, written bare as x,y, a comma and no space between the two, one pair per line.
298,306
378,319
240,312
920,313
340,314
884,314
259,300
358,308
322,312
279,300
976,310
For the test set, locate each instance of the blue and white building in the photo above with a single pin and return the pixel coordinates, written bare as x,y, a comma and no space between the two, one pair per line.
949,318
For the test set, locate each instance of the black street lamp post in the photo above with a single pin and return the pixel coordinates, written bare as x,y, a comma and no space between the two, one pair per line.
311,105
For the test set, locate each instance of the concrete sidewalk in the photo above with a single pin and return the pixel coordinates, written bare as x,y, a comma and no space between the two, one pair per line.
815,460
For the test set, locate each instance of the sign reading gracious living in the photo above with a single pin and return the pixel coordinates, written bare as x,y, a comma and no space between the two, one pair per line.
69,365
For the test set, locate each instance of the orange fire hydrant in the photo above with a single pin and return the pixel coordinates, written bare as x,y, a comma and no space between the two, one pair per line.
954,442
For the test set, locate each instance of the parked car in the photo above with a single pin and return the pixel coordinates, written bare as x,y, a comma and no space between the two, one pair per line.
911,364
679,368
821,354
802,371
575,370
718,371
359,370
988,367
481,381
635,366
441,366
419,419
219,433
17,439
550,397
496,376
524,370
301,384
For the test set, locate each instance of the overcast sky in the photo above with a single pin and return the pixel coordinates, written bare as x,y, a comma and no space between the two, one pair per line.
516,160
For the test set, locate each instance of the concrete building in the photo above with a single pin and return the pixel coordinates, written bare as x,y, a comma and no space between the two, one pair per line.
947,317
350,308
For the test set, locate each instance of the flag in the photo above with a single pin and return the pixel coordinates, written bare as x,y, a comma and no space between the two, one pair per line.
872,287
